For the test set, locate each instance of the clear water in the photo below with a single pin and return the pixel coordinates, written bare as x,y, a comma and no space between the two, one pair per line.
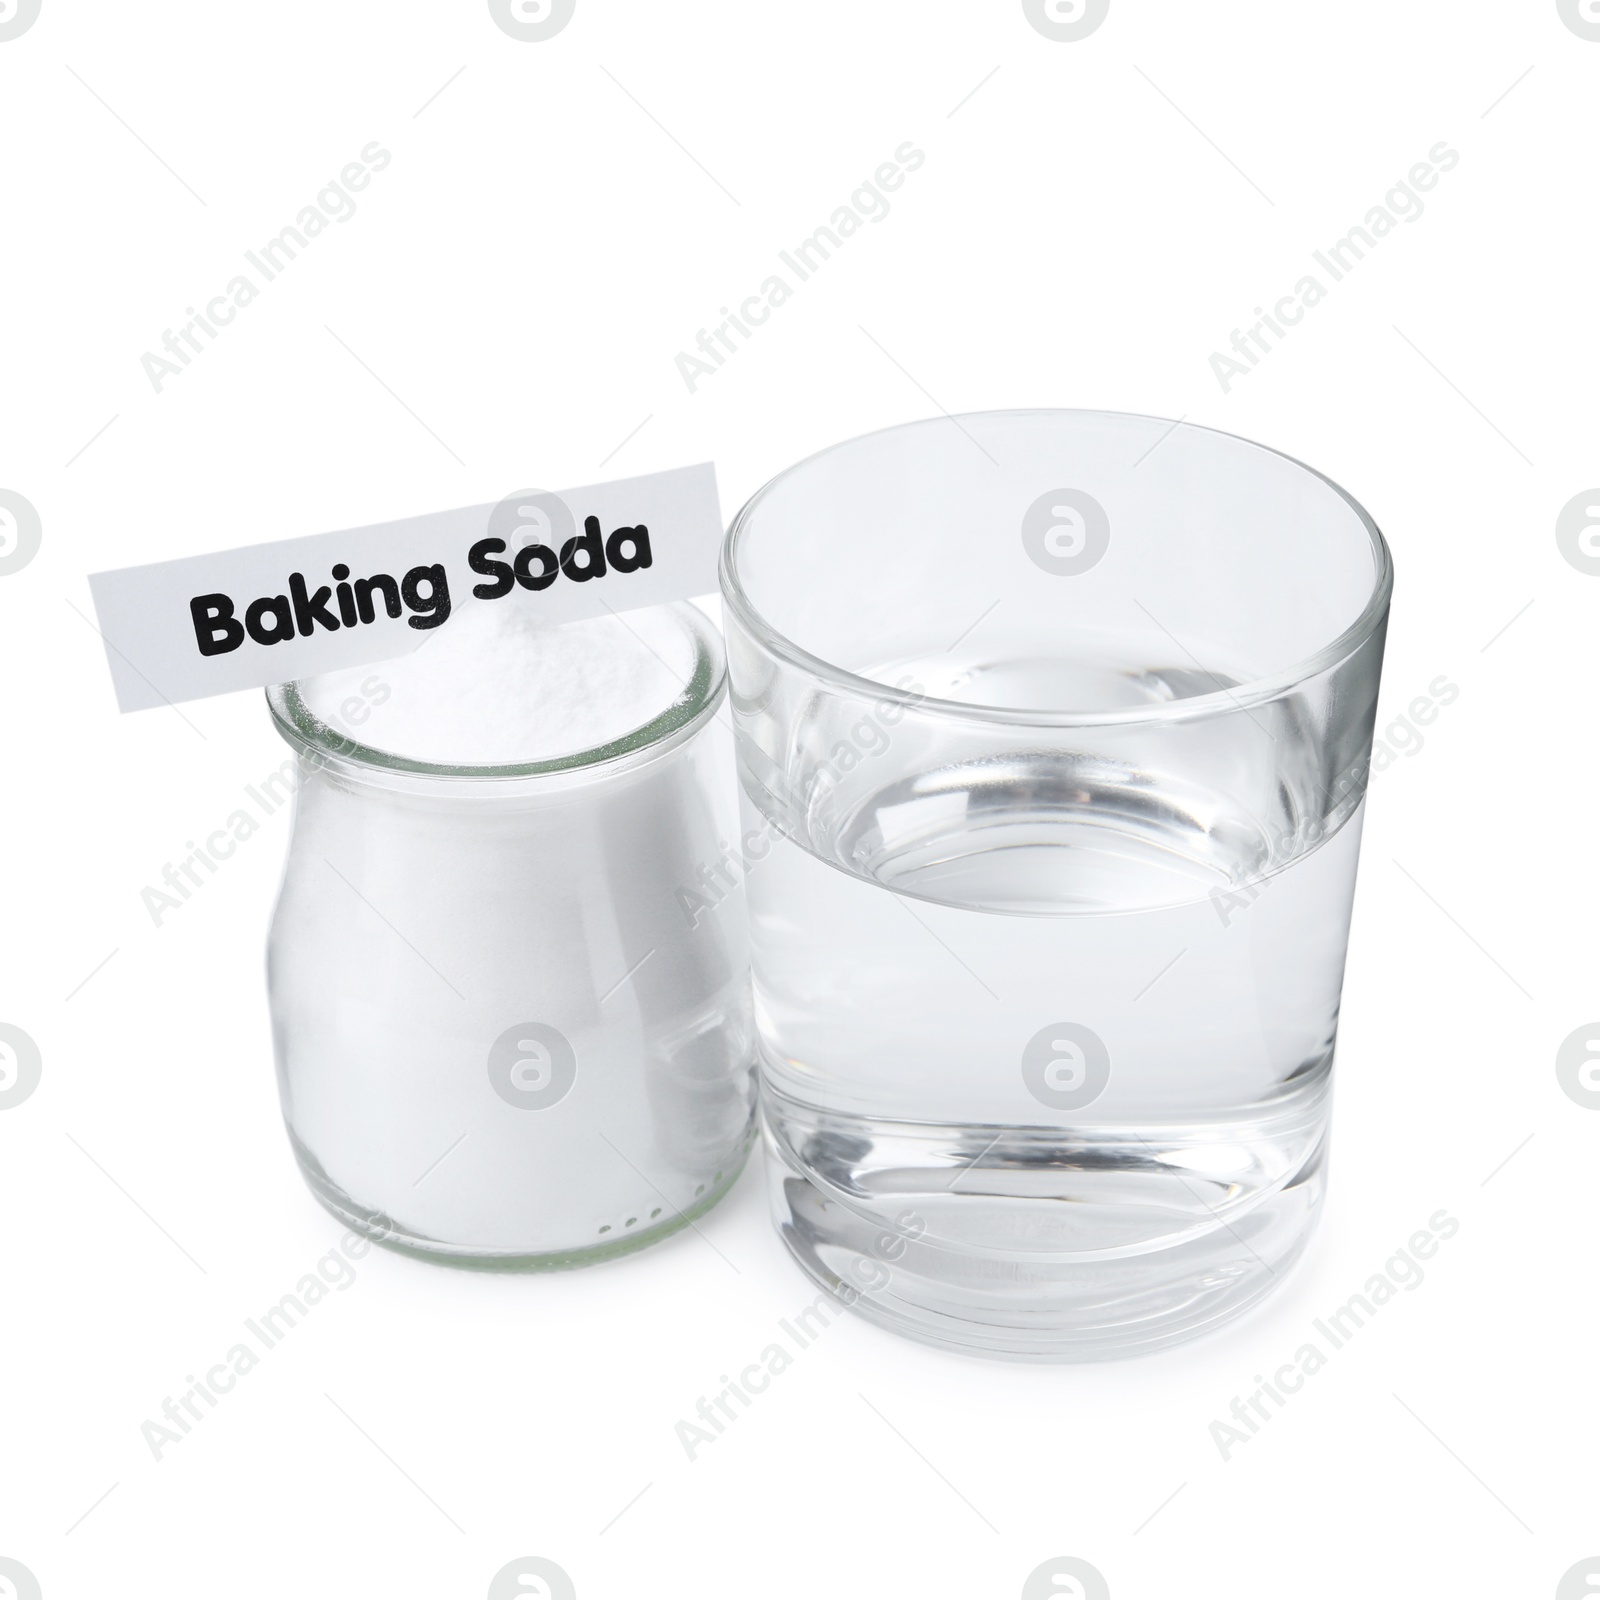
1046,1047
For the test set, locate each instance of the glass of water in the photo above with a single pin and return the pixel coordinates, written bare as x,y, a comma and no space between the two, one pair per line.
1053,732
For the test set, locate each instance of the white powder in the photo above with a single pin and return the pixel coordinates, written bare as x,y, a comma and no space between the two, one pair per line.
445,948
496,686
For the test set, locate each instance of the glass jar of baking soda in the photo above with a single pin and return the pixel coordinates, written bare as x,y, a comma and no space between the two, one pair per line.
507,970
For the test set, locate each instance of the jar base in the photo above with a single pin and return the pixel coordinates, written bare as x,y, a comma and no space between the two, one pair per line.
930,1264
384,1230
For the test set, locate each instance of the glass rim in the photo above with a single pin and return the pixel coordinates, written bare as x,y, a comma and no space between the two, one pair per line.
694,705
1219,702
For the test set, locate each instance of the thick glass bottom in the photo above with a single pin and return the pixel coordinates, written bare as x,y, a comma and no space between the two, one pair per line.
1020,1244
394,1234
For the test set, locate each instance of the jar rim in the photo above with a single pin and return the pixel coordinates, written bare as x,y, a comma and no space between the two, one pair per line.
1221,702
702,692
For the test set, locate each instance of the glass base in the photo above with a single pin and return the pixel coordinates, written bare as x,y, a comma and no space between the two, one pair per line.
393,1235
991,1270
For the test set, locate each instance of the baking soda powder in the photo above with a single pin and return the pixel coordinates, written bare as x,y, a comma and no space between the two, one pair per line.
500,1036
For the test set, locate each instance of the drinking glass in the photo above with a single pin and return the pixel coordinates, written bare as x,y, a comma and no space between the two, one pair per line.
1053,731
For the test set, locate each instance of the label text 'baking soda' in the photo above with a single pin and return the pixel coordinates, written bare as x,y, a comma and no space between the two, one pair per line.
268,613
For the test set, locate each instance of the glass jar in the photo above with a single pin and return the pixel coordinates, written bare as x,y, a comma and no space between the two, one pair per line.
510,1002
1053,731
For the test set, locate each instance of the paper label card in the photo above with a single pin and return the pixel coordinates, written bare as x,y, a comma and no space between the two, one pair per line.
266,613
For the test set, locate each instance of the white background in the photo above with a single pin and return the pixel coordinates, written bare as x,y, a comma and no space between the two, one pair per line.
558,221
